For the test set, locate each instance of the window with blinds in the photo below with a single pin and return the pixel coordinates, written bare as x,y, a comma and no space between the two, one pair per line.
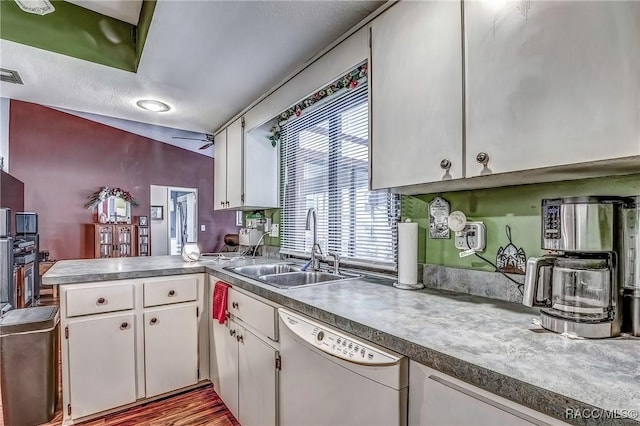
324,164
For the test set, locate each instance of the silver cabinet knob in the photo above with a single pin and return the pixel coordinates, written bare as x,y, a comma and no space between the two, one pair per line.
445,164
124,326
482,158
153,321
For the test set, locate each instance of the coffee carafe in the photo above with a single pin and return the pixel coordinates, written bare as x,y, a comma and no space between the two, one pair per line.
578,284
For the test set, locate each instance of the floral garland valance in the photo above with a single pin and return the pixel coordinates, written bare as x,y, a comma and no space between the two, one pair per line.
350,80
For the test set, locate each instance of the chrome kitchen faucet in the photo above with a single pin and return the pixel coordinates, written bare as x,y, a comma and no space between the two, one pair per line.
315,261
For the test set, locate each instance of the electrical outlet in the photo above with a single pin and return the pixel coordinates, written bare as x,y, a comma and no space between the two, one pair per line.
472,237
275,230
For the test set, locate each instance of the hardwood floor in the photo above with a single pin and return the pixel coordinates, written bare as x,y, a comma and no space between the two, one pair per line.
199,407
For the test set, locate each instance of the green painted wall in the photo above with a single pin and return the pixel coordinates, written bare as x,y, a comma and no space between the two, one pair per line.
274,215
78,32
516,206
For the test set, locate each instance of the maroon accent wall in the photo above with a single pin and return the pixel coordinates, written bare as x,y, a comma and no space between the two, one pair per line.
62,159
11,196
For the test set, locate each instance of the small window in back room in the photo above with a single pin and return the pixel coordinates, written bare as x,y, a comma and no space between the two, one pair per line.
325,165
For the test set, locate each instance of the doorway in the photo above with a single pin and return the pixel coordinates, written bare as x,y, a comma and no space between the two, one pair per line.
179,222
183,218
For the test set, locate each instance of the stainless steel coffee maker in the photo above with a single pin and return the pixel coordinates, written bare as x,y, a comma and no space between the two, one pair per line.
578,284
631,286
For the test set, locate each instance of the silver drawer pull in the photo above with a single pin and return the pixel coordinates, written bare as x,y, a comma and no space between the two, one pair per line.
153,321
489,401
234,305
124,326
172,293
101,301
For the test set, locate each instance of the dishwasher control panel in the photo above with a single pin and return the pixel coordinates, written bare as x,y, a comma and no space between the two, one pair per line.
335,342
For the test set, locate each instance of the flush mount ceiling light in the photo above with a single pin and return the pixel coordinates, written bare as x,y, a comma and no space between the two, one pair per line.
10,76
38,7
154,106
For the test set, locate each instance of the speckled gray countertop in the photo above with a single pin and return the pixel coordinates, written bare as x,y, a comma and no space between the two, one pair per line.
488,343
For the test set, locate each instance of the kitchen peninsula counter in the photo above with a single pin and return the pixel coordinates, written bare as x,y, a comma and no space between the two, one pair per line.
488,343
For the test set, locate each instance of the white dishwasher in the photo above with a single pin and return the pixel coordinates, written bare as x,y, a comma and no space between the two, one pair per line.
331,378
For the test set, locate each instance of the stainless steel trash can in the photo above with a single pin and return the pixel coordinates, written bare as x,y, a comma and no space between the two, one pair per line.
29,365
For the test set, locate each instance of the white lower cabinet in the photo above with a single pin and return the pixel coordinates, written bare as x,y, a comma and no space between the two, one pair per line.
245,359
171,348
257,380
436,399
129,340
102,364
246,374
226,364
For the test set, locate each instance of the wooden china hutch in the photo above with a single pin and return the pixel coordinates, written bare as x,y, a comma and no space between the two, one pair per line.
114,234
120,240
115,240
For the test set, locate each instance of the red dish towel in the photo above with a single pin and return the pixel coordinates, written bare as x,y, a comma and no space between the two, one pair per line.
220,295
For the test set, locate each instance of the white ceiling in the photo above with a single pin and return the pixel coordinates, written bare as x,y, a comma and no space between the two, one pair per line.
207,59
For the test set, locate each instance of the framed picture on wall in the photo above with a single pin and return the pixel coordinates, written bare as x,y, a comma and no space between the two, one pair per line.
143,221
156,213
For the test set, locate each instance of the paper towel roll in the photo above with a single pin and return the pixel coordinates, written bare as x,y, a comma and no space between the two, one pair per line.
407,253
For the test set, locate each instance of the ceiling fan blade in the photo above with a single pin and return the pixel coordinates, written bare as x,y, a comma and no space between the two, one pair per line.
207,145
192,139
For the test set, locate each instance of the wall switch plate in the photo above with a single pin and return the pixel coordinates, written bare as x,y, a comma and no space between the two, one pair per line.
472,237
275,230
203,228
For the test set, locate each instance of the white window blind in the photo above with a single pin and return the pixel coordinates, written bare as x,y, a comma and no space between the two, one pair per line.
324,164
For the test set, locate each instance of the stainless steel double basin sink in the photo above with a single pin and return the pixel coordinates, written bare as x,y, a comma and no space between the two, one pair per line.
283,275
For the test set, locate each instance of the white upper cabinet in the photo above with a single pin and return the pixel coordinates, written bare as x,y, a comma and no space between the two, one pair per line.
416,94
235,147
220,171
551,83
228,183
245,169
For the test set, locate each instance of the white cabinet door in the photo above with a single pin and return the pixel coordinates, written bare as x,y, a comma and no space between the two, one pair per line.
235,145
171,348
226,353
436,399
220,171
416,94
257,377
102,364
551,83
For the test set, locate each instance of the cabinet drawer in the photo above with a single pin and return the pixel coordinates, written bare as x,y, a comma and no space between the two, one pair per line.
96,300
170,291
253,312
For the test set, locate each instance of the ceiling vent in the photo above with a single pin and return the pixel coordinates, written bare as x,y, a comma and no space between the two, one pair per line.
38,7
10,76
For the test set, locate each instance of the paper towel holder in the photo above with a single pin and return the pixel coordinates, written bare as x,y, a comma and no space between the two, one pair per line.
402,286
417,286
